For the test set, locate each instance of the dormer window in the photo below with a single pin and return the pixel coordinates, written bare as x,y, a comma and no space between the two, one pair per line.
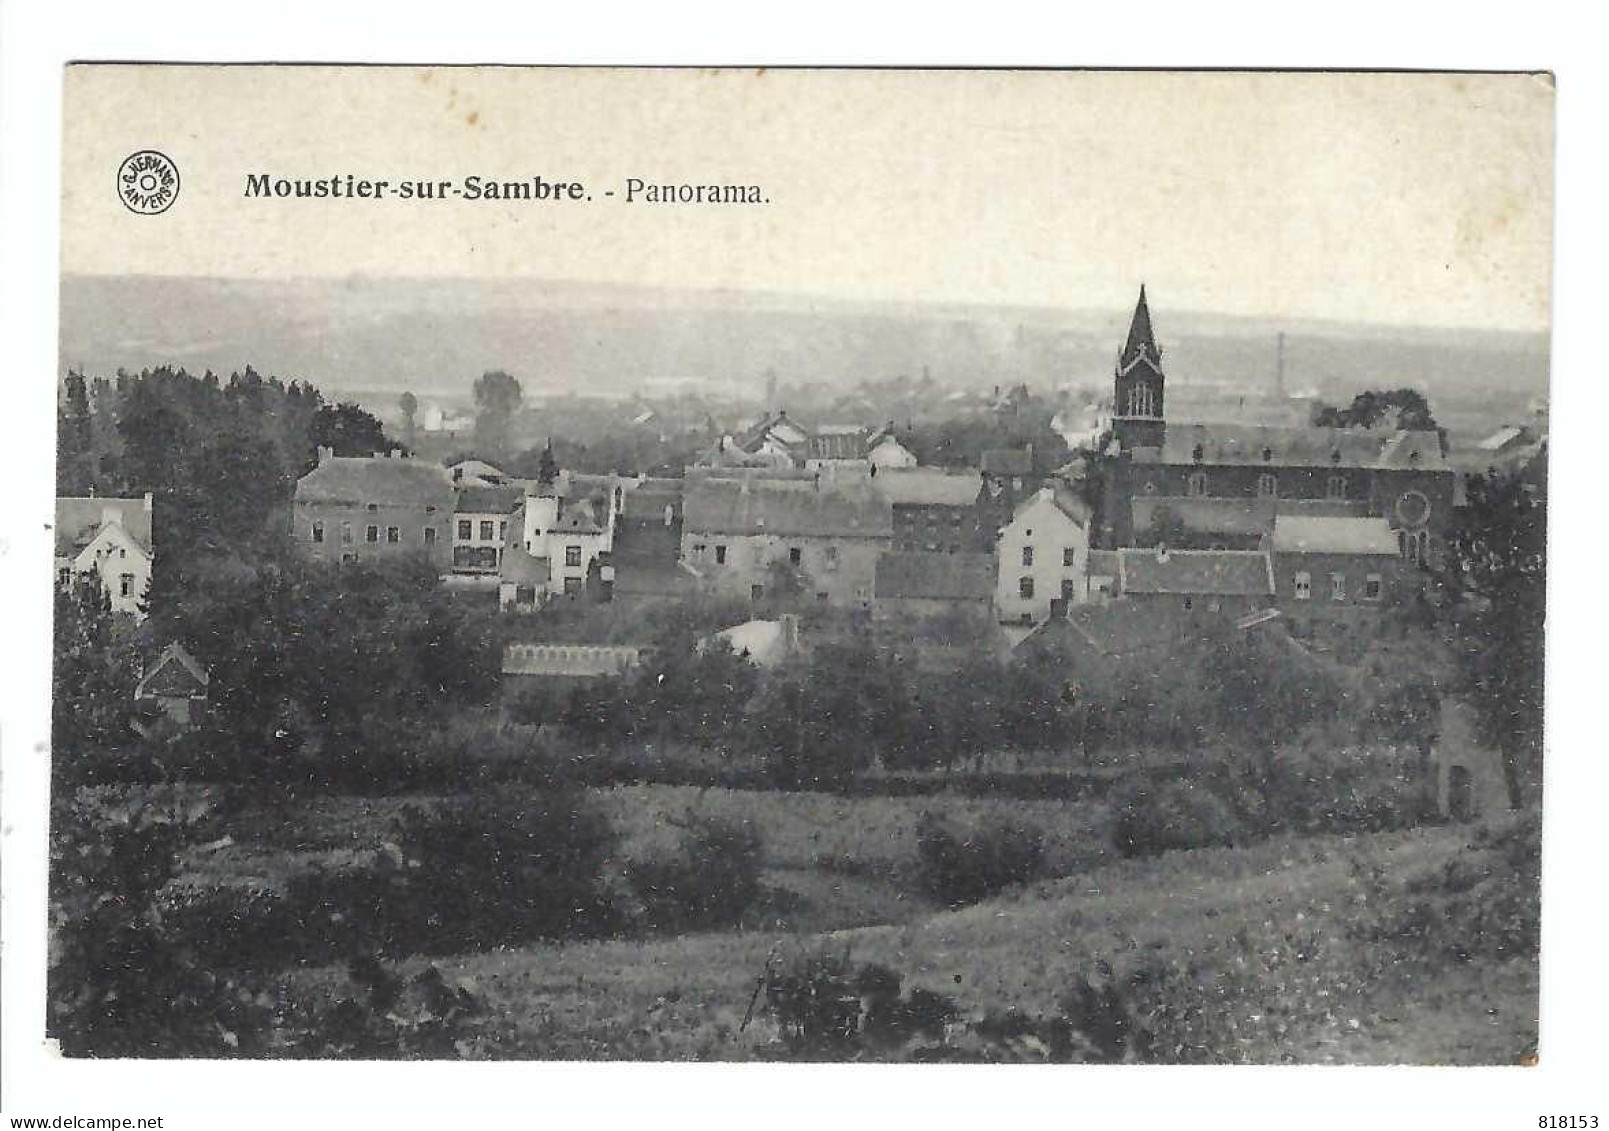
1413,457
1267,486
1198,453
1268,455
1195,484
1335,455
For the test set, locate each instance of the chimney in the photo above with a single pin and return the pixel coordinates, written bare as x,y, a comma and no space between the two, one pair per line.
325,455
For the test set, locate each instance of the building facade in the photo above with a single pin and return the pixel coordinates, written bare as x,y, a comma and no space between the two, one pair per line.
112,539
1336,574
818,537
1042,556
935,511
364,508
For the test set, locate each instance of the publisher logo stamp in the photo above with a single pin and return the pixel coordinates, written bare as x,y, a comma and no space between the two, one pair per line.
147,182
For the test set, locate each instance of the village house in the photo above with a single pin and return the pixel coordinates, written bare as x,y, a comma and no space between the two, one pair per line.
111,539
1225,483
1335,574
363,508
934,510
477,473
919,584
746,536
1042,555
886,453
481,517
172,692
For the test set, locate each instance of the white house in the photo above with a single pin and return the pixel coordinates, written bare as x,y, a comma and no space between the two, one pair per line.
110,538
1042,554
570,528
887,453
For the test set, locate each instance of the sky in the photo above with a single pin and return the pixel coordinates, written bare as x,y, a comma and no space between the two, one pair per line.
1392,198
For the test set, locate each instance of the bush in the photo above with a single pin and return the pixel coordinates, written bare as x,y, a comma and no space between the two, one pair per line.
959,868
710,879
490,868
825,1007
1173,815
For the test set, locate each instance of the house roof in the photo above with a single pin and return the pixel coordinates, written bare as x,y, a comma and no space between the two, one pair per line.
358,480
947,577
174,673
1061,497
837,442
763,642
1102,563
1223,573
578,518
1244,445
1007,461
582,660
1500,439
78,520
520,567
488,500
1295,534
928,486
783,507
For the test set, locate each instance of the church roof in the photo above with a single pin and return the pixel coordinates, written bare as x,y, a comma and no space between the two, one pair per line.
1141,344
1248,445
1305,535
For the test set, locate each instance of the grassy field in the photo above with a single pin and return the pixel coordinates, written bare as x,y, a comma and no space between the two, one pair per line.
1259,939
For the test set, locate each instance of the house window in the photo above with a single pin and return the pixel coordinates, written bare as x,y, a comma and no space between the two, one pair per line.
502,531
372,507
1196,483
572,586
756,592
64,575
1025,587
346,533
318,532
1068,588
572,555
1372,587
1267,485
430,535
1335,488
1069,556
121,552
371,533
832,557
1268,455
486,530
720,555
1198,453
1027,555
393,535
125,585
821,597
699,550
1189,603
349,557
466,530
795,555
1304,586
1337,587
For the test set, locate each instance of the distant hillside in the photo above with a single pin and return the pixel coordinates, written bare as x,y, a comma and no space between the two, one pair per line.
435,336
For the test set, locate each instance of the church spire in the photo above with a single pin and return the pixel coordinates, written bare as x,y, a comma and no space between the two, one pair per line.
1141,344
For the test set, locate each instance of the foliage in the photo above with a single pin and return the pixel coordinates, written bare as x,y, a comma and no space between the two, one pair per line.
1023,418
1173,815
710,879
1499,553
93,676
1408,408
962,867
391,1017
1484,902
497,399
122,981
489,868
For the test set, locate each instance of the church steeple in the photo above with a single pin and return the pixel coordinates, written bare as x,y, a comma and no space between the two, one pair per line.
1138,385
1141,344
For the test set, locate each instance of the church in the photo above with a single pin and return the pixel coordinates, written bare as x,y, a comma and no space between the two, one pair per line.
1187,485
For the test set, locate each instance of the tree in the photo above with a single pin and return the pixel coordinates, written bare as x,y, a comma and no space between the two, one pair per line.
93,675
497,399
1406,408
1499,567
349,430
410,407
